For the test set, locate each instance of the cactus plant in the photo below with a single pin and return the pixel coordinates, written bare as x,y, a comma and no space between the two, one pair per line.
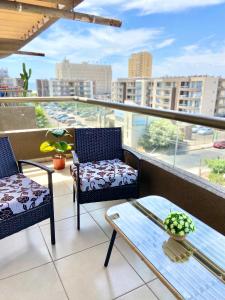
25,77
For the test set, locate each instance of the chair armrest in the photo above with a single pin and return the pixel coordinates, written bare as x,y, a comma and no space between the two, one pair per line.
48,170
75,158
134,155
28,162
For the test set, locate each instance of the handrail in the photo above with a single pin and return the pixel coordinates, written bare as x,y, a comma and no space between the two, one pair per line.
214,122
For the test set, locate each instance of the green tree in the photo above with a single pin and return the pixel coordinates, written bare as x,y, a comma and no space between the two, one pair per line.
161,134
217,165
41,119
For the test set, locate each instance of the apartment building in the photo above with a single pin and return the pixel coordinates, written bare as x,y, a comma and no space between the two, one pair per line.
55,87
193,94
10,87
140,65
3,73
220,103
100,74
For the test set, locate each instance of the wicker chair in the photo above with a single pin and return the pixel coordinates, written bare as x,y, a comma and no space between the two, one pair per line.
23,202
99,151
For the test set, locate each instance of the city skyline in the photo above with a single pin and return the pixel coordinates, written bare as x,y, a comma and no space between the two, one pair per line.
196,47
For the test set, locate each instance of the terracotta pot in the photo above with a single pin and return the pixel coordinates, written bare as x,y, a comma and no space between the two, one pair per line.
59,162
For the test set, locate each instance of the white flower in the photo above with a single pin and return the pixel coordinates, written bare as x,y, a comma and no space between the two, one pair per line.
171,226
186,224
175,223
173,231
173,219
182,222
186,230
167,221
179,226
166,226
181,233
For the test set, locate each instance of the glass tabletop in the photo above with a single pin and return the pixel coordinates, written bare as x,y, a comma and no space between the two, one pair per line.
191,279
207,240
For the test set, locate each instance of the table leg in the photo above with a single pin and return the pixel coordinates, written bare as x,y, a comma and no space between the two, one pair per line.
110,248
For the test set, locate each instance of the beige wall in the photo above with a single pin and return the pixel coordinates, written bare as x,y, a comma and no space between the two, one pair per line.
17,117
26,143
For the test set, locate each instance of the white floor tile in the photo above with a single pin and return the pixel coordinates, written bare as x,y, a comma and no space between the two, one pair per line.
142,293
104,204
140,267
85,277
160,290
22,251
69,240
99,216
38,284
64,207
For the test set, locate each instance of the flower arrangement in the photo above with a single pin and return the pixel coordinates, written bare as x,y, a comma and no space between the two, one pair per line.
178,224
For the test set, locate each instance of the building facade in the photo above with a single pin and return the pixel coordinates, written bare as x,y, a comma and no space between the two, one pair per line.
3,73
11,87
100,74
55,87
193,94
140,65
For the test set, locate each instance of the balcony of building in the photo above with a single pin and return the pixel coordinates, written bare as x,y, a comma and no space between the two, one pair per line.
73,269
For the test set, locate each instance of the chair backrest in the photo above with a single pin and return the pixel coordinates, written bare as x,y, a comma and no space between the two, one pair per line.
94,144
8,165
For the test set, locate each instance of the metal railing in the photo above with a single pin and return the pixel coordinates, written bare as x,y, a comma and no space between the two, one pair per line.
214,122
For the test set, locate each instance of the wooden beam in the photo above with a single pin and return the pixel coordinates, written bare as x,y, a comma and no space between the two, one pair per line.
58,13
21,52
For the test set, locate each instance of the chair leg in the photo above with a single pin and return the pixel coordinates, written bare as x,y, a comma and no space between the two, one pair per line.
74,193
78,214
52,228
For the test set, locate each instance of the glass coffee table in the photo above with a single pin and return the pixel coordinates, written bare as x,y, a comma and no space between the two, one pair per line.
191,269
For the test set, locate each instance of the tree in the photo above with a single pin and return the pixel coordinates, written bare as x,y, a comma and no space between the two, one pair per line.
159,134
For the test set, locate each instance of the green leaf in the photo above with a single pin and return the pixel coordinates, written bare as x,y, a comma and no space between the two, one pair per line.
58,132
62,146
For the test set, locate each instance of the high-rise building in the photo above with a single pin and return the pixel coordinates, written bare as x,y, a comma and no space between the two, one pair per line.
55,87
3,73
140,65
100,74
191,94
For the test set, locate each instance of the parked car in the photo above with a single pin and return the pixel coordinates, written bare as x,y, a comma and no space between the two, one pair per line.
219,144
196,128
205,131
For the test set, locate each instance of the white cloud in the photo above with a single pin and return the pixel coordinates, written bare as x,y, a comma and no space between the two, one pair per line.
148,6
194,60
100,44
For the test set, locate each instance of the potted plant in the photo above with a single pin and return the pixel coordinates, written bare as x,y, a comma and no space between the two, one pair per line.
178,225
59,146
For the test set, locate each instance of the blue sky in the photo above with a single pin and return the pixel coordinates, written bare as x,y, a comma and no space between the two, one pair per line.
185,37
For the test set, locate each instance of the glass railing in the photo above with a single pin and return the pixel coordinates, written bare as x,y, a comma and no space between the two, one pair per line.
195,148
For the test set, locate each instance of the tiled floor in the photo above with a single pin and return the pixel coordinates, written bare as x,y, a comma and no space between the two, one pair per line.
31,268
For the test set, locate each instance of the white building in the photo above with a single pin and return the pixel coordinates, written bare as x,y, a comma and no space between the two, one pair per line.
100,74
55,87
10,87
192,94
3,73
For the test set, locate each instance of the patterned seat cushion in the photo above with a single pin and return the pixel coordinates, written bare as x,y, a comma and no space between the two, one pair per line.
18,194
104,174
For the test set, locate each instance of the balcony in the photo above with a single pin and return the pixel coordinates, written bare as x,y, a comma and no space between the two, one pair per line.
73,268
